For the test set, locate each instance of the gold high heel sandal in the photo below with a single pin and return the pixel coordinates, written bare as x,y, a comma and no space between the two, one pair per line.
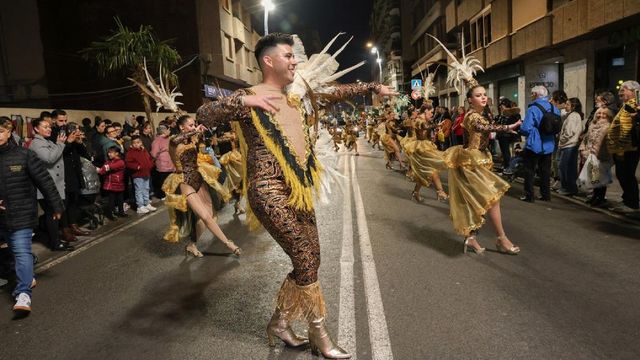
321,342
235,249
192,250
442,196
475,250
513,250
279,328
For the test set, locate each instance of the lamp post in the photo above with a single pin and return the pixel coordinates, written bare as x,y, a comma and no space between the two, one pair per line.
374,50
268,6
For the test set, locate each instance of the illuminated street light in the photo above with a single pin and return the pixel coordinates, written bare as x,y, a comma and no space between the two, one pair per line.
374,50
369,44
268,6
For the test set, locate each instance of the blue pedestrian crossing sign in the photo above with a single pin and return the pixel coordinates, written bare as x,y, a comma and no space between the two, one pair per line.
416,84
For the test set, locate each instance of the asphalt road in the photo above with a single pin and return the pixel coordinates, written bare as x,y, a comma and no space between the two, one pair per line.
395,280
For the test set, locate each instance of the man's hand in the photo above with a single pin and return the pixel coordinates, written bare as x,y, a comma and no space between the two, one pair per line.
264,102
57,216
387,91
2,206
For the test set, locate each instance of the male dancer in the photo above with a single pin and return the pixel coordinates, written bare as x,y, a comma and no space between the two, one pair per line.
281,172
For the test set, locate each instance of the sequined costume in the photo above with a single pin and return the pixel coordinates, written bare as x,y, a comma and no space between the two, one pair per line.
473,187
280,176
193,170
424,157
389,140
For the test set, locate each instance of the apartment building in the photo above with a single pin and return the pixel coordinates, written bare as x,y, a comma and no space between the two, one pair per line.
385,23
579,46
40,65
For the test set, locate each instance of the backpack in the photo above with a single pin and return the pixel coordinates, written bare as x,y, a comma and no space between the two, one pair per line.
551,123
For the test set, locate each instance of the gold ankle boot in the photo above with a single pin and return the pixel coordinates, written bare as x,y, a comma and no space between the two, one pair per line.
321,342
279,327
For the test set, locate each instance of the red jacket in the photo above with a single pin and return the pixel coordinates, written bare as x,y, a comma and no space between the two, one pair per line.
114,171
139,161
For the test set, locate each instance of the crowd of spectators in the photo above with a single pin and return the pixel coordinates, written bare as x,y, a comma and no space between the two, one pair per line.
64,178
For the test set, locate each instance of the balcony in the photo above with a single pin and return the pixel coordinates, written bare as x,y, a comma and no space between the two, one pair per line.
532,37
480,55
498,51
238,31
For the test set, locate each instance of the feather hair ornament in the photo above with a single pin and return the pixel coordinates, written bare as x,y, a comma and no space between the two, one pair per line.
317,72
159,93
428,87
461,71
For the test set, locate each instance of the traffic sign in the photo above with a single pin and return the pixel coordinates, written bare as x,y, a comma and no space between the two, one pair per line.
416,84
415,94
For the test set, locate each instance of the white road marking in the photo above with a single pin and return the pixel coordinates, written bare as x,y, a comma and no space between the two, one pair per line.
378,332
49,265
347,315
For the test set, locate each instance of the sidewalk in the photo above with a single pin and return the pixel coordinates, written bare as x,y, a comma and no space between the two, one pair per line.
614,196
46,255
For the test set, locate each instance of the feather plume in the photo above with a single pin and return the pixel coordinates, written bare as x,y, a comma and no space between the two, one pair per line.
159,93
460,72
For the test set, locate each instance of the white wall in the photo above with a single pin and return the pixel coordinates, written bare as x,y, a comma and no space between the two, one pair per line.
575,80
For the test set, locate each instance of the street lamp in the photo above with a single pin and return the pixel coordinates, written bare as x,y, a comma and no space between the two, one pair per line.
374,50
268,6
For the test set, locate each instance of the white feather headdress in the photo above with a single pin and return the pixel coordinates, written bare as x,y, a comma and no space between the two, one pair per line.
461,71
316,73
159,93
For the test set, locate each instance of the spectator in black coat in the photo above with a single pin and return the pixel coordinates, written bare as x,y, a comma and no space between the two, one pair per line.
73,180
21,172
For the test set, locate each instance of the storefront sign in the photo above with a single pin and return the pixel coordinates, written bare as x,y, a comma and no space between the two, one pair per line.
542,75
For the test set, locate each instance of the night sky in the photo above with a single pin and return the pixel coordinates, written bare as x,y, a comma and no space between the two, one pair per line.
325,18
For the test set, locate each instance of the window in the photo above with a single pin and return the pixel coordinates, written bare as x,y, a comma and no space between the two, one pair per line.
479,32
229,51
247,59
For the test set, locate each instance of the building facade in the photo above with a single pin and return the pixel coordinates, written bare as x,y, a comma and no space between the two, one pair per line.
579,46
40,65
385,23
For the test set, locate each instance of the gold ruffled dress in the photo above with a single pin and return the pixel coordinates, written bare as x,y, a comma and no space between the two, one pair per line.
424,157
233,166
192,168
473,187
389,141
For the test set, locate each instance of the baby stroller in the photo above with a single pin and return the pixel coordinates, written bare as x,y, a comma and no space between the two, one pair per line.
92,212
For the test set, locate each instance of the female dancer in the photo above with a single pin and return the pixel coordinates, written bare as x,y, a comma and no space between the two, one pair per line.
185,188
389,141
424,158
474,188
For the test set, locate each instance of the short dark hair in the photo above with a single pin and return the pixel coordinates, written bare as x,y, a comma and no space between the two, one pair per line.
35,122
271,40
140,119
183,119
135,137
114,149
5,122
57,112
559,96
116,124
86,122
45,114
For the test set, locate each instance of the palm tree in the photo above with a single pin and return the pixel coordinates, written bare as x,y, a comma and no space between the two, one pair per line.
125,50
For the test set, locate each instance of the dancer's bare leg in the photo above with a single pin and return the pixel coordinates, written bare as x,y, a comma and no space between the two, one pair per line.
496,219
200,203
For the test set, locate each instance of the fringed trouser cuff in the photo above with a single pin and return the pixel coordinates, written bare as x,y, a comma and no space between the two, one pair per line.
304,303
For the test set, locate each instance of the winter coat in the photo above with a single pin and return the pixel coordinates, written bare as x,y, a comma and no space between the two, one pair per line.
73,166
594,141
21,172
536,142
51,154
114,171
139,162
571,130
160,152
619,139
146,141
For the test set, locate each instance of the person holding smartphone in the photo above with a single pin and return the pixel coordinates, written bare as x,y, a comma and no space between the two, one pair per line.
623,148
